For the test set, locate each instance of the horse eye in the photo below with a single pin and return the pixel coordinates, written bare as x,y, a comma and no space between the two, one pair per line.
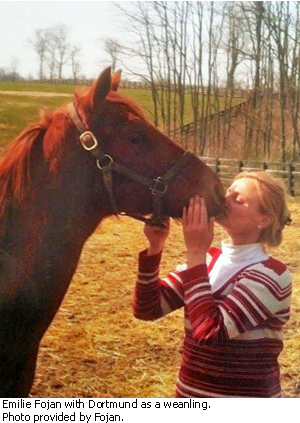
136,138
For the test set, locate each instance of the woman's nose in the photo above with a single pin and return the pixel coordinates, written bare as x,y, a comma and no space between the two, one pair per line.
228,194
228,198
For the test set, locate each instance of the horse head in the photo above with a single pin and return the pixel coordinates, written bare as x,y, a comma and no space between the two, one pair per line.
124,137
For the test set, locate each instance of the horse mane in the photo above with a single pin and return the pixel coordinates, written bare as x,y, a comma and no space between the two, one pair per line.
15,166
127,106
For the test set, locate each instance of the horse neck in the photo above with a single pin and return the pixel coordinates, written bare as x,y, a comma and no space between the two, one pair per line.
74,209
47,232
44,232
60,210
77,204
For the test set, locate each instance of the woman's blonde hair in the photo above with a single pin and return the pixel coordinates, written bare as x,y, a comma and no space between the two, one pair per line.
273,201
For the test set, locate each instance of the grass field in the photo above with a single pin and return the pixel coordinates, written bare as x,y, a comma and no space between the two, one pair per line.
18,111
47,88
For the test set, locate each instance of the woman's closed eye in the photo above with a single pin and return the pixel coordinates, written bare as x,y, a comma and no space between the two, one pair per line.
238,199
236,196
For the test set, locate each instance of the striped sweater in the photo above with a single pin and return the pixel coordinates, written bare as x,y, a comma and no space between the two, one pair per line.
234,307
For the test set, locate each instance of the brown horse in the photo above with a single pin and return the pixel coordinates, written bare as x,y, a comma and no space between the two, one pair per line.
53,195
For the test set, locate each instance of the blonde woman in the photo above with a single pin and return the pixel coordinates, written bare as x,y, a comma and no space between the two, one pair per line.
236,299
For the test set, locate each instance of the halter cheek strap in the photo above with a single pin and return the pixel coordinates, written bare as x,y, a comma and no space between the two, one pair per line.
158,186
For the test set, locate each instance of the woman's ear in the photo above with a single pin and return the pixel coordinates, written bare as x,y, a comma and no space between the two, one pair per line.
265,221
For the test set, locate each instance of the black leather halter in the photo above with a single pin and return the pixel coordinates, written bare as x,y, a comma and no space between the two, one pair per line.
158,186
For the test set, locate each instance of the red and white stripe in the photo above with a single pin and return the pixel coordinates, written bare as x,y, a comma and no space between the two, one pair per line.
233,336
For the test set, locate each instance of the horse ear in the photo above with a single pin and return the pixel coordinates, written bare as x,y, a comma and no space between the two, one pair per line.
115,80
101,88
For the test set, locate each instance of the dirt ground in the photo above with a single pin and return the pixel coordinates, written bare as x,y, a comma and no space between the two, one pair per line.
95,348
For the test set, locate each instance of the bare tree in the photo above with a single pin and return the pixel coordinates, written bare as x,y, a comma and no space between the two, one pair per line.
182,46
75,64
253,18
55,50
233,45
60,38
39,43
278,19
13,68
268,105
294,83
160,34
141,29
51,54
113,48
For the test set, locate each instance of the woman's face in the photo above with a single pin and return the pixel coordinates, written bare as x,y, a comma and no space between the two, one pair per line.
243,214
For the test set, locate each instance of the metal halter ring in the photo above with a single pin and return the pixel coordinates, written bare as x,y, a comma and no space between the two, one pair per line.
158,184
110,162
85,140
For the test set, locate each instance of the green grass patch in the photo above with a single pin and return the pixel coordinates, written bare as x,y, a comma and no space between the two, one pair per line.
30,86
17,112
144,99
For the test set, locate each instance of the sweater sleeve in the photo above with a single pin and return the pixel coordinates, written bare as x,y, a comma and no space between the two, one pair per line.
261,293
155,297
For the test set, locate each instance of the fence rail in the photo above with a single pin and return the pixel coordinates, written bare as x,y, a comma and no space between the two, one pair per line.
191,128
245,93
142,85
227,169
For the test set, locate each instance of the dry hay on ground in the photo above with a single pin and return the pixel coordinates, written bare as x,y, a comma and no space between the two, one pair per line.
95,348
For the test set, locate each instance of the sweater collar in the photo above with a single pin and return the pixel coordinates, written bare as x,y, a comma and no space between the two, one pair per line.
234,254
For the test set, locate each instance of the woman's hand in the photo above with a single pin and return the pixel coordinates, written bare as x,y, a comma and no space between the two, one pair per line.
198,231
157,236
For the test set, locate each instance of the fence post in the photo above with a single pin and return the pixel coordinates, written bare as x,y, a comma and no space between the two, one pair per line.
264,166
240,166
290,179
217,164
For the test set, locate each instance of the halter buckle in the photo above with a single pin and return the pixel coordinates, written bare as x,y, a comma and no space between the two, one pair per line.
110,162
88,141
159,187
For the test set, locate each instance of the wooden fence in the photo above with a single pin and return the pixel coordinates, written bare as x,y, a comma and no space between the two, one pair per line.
227,169
191,128
144,85
141,85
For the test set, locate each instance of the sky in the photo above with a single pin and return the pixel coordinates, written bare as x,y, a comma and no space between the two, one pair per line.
89,21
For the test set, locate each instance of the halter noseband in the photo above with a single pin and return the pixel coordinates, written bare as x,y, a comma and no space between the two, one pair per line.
158,186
